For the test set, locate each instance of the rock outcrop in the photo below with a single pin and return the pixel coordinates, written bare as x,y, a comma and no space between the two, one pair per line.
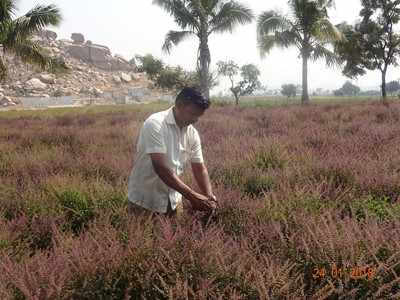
93,72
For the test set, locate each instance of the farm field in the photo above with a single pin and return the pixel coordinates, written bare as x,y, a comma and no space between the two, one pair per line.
309,206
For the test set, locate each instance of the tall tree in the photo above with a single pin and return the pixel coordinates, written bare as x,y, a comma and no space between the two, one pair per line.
16,33
307,27
249,74
201,18
372,43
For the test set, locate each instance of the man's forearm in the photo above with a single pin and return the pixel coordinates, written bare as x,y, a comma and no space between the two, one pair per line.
174,182
202,178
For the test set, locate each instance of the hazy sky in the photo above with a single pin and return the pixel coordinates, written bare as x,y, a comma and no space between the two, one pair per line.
132,27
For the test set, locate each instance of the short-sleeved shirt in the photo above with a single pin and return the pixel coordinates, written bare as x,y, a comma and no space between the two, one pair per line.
161,134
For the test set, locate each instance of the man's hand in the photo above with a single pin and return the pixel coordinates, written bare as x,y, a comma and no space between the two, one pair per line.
202,203
213,199
198,201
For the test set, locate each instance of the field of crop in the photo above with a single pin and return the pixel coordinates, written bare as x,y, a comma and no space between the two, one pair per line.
310,206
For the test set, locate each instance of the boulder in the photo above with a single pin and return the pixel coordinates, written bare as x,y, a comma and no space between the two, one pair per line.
48,34
77,38
96,92
126,77
79,52
47,78
65,42
118,63
116,78
99,56
35,85
105,48
6,101
135,77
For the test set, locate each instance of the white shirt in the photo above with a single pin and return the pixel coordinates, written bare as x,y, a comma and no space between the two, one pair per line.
161,134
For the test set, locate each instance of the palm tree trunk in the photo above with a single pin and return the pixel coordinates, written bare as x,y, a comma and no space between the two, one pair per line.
304,97
204,61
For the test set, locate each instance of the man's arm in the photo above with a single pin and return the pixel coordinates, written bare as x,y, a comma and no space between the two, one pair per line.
198,201
200,173
202,178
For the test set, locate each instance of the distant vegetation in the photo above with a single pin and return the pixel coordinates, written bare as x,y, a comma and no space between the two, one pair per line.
373,43
348,89
249,74
200,19
289,90
308,29
168,77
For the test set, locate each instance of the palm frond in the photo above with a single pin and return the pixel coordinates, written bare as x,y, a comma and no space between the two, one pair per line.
181,11
174,38
35,20
210,6
271,21
230,14
325,31
320,52
283,39
30,52
307,12
7,10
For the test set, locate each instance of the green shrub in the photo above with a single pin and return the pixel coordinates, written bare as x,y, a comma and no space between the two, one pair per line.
78,209
338,177
271,158
255,186
379,207
4,243
232,219
228,176
284,209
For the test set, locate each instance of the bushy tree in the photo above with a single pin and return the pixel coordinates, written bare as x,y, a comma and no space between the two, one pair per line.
201,18
393,87
249,74
16,35
176,78
308,28
168,77
149,64
289,90
348,89
373,43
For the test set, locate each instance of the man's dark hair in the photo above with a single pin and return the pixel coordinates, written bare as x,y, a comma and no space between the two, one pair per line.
190,95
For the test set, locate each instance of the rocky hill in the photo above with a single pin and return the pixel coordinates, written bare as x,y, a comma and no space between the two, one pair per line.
93,73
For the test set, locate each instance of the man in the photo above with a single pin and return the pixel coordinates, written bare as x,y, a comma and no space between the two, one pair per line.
167,141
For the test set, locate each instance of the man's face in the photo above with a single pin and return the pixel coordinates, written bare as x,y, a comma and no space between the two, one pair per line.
189,113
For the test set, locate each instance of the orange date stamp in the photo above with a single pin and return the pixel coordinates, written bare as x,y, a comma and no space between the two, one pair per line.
335,272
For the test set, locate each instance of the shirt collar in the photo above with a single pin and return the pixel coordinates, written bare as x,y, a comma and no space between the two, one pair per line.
170,117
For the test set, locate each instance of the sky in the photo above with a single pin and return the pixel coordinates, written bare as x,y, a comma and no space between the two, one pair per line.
130,27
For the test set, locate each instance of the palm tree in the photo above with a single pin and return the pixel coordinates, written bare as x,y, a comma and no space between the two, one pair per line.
15,34
309,29
201,18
